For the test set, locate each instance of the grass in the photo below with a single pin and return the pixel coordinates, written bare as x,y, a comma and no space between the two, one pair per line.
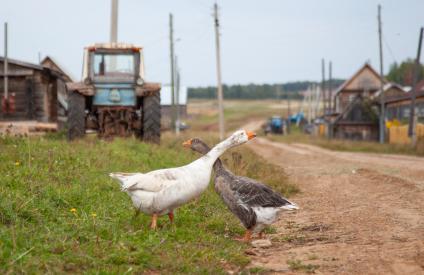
236,112
60,212
298,265
296,136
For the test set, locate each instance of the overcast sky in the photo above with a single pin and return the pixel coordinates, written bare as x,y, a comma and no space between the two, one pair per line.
266,41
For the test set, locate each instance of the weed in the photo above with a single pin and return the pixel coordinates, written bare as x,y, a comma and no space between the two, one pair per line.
300,266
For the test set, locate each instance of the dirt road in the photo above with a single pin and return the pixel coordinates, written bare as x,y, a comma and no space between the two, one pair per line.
360,213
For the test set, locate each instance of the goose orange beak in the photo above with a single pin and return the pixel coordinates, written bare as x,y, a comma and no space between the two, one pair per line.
250,134
187,143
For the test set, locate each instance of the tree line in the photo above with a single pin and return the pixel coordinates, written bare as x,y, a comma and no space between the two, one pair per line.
258,91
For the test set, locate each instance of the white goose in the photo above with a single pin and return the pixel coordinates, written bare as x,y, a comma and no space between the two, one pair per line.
161,191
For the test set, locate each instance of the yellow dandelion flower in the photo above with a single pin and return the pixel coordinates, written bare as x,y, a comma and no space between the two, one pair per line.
17,163
93,215
73,210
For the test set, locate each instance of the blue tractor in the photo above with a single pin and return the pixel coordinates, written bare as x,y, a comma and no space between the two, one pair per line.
274,125
113,98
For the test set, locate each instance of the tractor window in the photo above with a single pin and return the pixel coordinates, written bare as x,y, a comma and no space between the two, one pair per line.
116,65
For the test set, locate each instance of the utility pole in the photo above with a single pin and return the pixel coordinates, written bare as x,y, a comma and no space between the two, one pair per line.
218,72
309,104
172,58
288,113
6,67
330,82
177,97
412,119
114,22
382,103
323,85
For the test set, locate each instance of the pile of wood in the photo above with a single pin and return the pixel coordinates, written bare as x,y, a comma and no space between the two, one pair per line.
17,128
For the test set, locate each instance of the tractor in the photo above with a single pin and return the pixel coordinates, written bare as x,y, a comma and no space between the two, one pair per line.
113,98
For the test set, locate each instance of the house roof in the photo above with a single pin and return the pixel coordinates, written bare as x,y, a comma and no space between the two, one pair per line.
22,63
58,67
407,96
355,75
389,86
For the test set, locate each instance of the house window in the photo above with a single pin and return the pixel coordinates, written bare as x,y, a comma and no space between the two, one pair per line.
405,112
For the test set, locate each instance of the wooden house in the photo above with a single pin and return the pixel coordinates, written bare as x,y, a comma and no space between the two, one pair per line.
34,89
398,105
365,82
357,115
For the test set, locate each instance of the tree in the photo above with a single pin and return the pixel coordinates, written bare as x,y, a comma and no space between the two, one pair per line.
404,73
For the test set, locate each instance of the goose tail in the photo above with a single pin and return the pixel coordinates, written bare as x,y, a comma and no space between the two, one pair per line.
122,178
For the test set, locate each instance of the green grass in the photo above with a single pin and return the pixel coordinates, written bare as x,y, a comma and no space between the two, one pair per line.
236,113
300,266
60,212
296,136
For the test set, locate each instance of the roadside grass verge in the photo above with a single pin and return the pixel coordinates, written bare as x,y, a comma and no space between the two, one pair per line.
60,212
296,136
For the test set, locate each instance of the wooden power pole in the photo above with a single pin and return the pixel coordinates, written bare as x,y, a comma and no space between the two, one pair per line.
114,22
412,120
382,102
6,69
177,96
172,58
323,85
218,72
330,84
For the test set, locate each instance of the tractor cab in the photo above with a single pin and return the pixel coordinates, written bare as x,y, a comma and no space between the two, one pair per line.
117,99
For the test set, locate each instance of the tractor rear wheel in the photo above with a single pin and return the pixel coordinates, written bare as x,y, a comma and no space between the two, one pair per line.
151,118
76,115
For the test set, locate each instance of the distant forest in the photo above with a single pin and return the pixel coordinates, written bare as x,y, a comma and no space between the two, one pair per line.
256,91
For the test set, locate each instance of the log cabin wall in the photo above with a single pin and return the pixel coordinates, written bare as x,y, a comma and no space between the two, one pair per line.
35,90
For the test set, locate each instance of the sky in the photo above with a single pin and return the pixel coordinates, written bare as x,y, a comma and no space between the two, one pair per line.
268,41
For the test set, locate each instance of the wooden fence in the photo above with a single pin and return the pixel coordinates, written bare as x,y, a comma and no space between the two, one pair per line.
399,134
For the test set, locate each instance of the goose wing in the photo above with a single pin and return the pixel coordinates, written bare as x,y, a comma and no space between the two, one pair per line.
245,213
254,193
153,181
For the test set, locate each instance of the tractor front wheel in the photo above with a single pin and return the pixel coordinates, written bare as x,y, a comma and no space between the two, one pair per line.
76,115
151,118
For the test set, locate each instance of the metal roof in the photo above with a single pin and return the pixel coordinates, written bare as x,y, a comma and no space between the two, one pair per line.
22,63
114,46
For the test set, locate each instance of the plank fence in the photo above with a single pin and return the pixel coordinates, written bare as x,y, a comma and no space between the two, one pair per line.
399,134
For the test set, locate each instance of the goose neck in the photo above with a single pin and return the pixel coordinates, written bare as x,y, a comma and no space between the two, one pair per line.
218,150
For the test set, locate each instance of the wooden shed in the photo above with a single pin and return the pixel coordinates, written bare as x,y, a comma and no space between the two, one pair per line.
35,90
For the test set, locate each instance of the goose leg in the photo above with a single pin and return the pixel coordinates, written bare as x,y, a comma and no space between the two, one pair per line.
246,237
171,216
153,225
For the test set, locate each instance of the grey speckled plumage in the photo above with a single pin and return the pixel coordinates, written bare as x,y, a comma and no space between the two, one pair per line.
243,195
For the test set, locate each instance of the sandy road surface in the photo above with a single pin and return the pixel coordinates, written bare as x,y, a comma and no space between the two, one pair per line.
361,213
